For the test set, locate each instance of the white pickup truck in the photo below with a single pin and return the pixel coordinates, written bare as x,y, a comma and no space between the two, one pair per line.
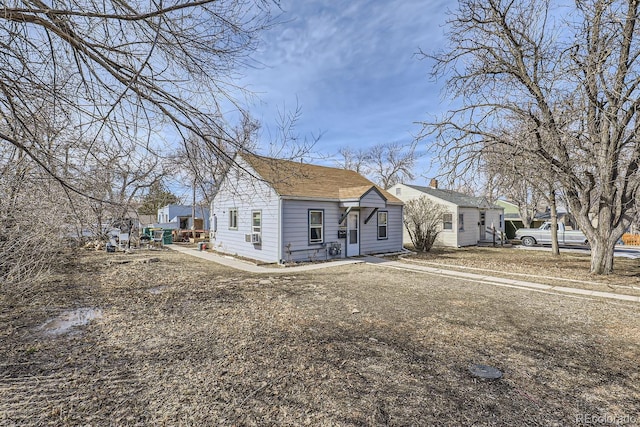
542,235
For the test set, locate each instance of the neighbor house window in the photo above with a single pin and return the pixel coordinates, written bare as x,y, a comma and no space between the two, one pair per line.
316,226
460,222
233,218
447,221
184,223
383,217
256,221
398,191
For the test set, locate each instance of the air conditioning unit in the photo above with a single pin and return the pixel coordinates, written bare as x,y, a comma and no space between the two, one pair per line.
252,238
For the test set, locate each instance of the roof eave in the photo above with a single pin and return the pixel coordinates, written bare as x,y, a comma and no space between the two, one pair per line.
315,199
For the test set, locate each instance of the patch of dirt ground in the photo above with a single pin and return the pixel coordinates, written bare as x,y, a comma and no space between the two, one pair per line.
183,341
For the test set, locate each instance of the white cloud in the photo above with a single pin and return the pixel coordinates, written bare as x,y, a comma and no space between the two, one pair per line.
352,66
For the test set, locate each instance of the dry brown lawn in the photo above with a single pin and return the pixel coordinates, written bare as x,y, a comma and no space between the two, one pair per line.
183,341
569,269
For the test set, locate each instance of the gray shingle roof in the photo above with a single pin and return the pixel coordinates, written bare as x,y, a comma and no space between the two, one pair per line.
460,199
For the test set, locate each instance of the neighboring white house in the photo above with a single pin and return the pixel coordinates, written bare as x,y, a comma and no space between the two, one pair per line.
469,220
274,210
179,217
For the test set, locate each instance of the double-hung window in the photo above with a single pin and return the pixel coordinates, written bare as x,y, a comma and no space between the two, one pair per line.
460,222
316,226
256,221
383,218
233,218
447,221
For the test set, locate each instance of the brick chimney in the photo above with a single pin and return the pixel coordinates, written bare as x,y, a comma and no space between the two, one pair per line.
434,183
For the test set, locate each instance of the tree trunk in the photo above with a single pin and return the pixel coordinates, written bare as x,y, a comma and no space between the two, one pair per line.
193,213
555,248
524,214
601,257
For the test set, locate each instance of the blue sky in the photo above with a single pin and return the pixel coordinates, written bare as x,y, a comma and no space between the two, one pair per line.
352,68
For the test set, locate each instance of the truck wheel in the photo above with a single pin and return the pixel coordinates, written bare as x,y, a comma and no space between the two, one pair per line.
528,241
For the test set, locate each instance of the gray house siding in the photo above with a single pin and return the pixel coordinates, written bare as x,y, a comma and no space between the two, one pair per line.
369,242
295,234
295,230
286,230
372,199
246,194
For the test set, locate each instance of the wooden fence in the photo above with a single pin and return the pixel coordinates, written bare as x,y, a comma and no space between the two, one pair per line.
631,239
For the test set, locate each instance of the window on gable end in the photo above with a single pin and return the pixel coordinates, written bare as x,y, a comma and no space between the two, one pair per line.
383,218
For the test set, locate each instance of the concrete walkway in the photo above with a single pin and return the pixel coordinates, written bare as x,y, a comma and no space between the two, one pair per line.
383,262
249,267
499,281
625,251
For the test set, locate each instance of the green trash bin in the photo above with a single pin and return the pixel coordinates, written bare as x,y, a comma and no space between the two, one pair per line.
147,231
167,237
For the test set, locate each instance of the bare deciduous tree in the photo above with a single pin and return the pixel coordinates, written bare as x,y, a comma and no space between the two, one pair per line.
392,163
201,168
570,83
91,91
526,181
32,219
423,220
385,164
354,159
286,142
121,70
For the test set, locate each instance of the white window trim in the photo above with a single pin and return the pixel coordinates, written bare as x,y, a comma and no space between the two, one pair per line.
385,225
233,213
320,226
254,228
447,222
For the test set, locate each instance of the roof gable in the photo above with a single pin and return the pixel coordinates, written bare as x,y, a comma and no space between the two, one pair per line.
303,180
510,209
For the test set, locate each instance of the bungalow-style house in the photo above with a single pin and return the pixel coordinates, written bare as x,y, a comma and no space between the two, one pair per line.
277,211
470,220
180,217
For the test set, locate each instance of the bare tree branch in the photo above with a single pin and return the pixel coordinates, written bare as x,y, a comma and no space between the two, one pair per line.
562,91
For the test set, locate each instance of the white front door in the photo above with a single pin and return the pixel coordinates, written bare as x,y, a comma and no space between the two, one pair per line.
353,234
